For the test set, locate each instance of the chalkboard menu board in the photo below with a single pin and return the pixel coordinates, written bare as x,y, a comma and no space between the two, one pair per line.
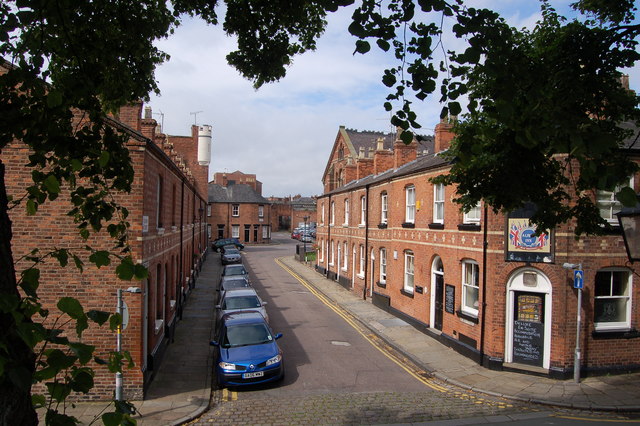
449,298
528,342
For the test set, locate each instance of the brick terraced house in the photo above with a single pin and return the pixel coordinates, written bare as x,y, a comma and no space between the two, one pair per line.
167,235
479,282
237,210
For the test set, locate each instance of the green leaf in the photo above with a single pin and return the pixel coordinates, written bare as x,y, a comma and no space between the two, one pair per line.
71,307
54,99
59,360
83,351
406,137
31,207
454,108
99,317
20,377
100,258
362,47
38,400
58,391
112,419
104,159
383,44
140,272
82,381
52,184
115,321
125,270
30,281
627,196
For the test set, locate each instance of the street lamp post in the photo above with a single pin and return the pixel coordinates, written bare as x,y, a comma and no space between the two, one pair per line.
120,311
578,275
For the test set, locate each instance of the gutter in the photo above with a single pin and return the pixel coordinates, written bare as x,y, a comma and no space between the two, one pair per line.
485,245
367,257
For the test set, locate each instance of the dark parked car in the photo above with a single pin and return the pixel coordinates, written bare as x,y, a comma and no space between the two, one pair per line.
236,269
247,352
241,299
230,256
220,242
233,281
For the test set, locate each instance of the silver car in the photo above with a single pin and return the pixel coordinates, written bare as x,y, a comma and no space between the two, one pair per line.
239,300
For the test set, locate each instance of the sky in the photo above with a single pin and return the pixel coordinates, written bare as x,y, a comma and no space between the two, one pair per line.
283,132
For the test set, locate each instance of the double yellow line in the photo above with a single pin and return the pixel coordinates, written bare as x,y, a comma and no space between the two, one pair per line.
372,338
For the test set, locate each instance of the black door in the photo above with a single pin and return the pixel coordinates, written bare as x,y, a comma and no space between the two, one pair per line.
255,235
528,328
437,322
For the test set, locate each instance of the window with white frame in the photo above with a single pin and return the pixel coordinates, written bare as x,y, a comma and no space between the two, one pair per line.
473,215
363,209
321,254
362,260
322,214
408,271
208,210
612,300
384,208
235,231
332,251
332,212
383,265
345,256
235,210
609,205
470,287
260,211
159,202
265,231
410,214
346,212
438,203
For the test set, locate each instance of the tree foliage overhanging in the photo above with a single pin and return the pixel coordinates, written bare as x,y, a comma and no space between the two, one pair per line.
544,121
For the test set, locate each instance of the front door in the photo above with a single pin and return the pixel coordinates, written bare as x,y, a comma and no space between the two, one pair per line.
255,235
439,302
528,328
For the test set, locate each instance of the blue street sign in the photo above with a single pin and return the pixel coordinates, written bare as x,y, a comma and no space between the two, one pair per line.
578,279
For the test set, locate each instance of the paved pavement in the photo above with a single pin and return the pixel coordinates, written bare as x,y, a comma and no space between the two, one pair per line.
181,390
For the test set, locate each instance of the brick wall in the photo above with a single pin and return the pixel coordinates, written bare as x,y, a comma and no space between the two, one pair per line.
453,243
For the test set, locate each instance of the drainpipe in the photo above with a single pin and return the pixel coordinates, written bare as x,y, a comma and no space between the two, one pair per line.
179,284
331,218
367,256
485,244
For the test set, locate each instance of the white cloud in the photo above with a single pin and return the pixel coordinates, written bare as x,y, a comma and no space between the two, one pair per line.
283,132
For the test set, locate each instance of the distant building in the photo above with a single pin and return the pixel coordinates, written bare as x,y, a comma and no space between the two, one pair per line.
238,211
291,211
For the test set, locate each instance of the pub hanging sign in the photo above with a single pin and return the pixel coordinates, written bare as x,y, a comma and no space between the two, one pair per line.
523,245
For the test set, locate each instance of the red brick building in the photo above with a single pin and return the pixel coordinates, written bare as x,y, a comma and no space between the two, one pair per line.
238,211
478,282
168,235
288,212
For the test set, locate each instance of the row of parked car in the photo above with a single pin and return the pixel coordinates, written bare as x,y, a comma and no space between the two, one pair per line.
246,348
304,235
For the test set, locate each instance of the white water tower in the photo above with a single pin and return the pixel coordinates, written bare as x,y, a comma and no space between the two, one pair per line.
204,144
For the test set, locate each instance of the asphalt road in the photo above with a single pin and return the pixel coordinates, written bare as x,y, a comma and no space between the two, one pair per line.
337,374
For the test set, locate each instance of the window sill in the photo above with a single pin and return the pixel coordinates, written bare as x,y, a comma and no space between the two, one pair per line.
382,226
381,284
361,276
408,225
158,325
628,333
160,231
468,316
406,293
436,226
611,229
468,227
361,225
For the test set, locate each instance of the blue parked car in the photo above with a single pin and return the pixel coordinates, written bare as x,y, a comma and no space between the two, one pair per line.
247,352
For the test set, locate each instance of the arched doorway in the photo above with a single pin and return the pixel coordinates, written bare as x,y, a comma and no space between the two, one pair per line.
528,318
437,293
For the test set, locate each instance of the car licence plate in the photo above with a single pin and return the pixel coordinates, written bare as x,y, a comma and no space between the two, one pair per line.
252,375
